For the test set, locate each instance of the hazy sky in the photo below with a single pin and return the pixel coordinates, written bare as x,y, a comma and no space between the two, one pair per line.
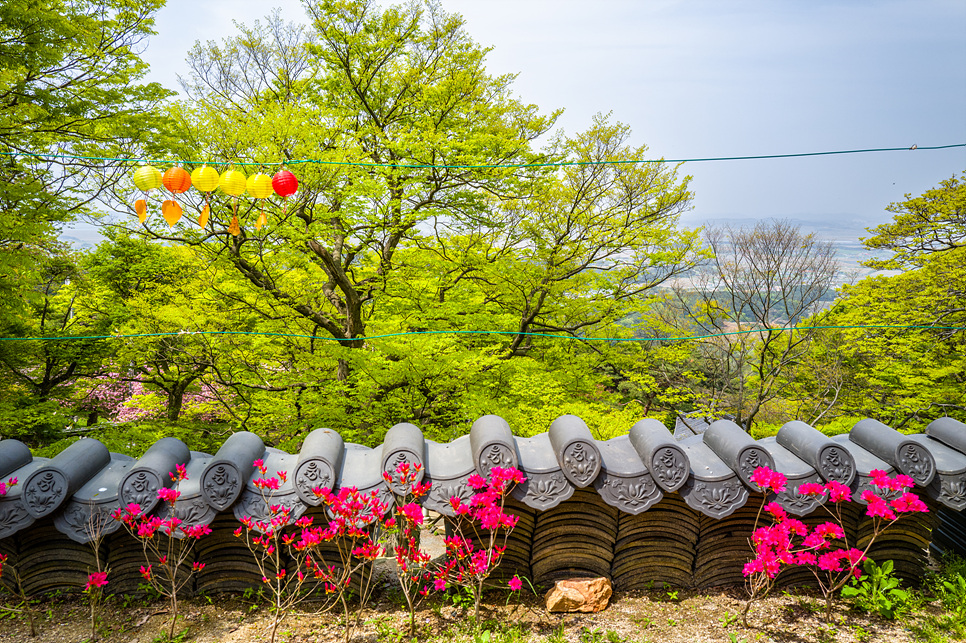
701,78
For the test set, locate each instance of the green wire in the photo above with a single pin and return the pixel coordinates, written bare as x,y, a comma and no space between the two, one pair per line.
483,166
475,332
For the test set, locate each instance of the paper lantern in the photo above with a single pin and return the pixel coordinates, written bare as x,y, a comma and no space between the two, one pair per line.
259,186
171,212
205,178
284,183
232,182
176,180
147,177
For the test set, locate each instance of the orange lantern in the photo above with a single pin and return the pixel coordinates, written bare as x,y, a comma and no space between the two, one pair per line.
176,180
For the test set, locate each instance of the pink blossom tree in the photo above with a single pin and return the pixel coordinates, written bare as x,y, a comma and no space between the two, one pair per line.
788,541
482,527
167,544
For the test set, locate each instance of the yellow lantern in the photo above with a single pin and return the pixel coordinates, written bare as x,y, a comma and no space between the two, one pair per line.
259,186
205,178
147,177
232,182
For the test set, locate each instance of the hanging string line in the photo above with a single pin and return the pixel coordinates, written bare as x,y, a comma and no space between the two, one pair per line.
484,165
476,332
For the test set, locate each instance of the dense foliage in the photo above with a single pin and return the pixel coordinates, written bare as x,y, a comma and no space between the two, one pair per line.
407,225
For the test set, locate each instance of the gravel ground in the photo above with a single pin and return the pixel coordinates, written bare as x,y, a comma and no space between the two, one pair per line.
639,616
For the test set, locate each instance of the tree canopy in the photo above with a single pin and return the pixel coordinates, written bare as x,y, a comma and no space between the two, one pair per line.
442,230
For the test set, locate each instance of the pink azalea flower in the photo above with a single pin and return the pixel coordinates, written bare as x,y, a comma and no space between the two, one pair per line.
811,489
515,583
166,494
838,492
95,579
768,480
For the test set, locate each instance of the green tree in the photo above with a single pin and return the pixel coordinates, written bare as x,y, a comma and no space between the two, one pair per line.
37,374
419,232
150,290
69,85
746,306
906,377
922,226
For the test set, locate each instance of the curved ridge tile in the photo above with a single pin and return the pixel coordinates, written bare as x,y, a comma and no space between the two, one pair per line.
51,485
949,485
908,456
737,449
449,467
87,515
14,455
797,472
151,472
865,463
950,432
13,512
624,482
252,501
829,459
362,469
491,441
318,464
226,475
403,444
192,507
576,450
713,488
545,486
667,462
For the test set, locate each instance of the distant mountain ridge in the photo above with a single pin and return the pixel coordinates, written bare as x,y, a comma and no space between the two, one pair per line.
845,227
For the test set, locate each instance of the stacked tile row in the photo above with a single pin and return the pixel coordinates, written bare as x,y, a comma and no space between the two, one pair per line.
644,509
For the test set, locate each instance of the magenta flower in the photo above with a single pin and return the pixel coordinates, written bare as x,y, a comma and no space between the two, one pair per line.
168,495
95,579
768,480
838,492
515,583
811,489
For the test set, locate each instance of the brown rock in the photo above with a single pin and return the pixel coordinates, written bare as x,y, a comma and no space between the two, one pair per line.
590,595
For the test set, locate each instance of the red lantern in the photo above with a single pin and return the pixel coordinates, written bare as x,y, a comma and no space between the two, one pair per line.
284,183
176,180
